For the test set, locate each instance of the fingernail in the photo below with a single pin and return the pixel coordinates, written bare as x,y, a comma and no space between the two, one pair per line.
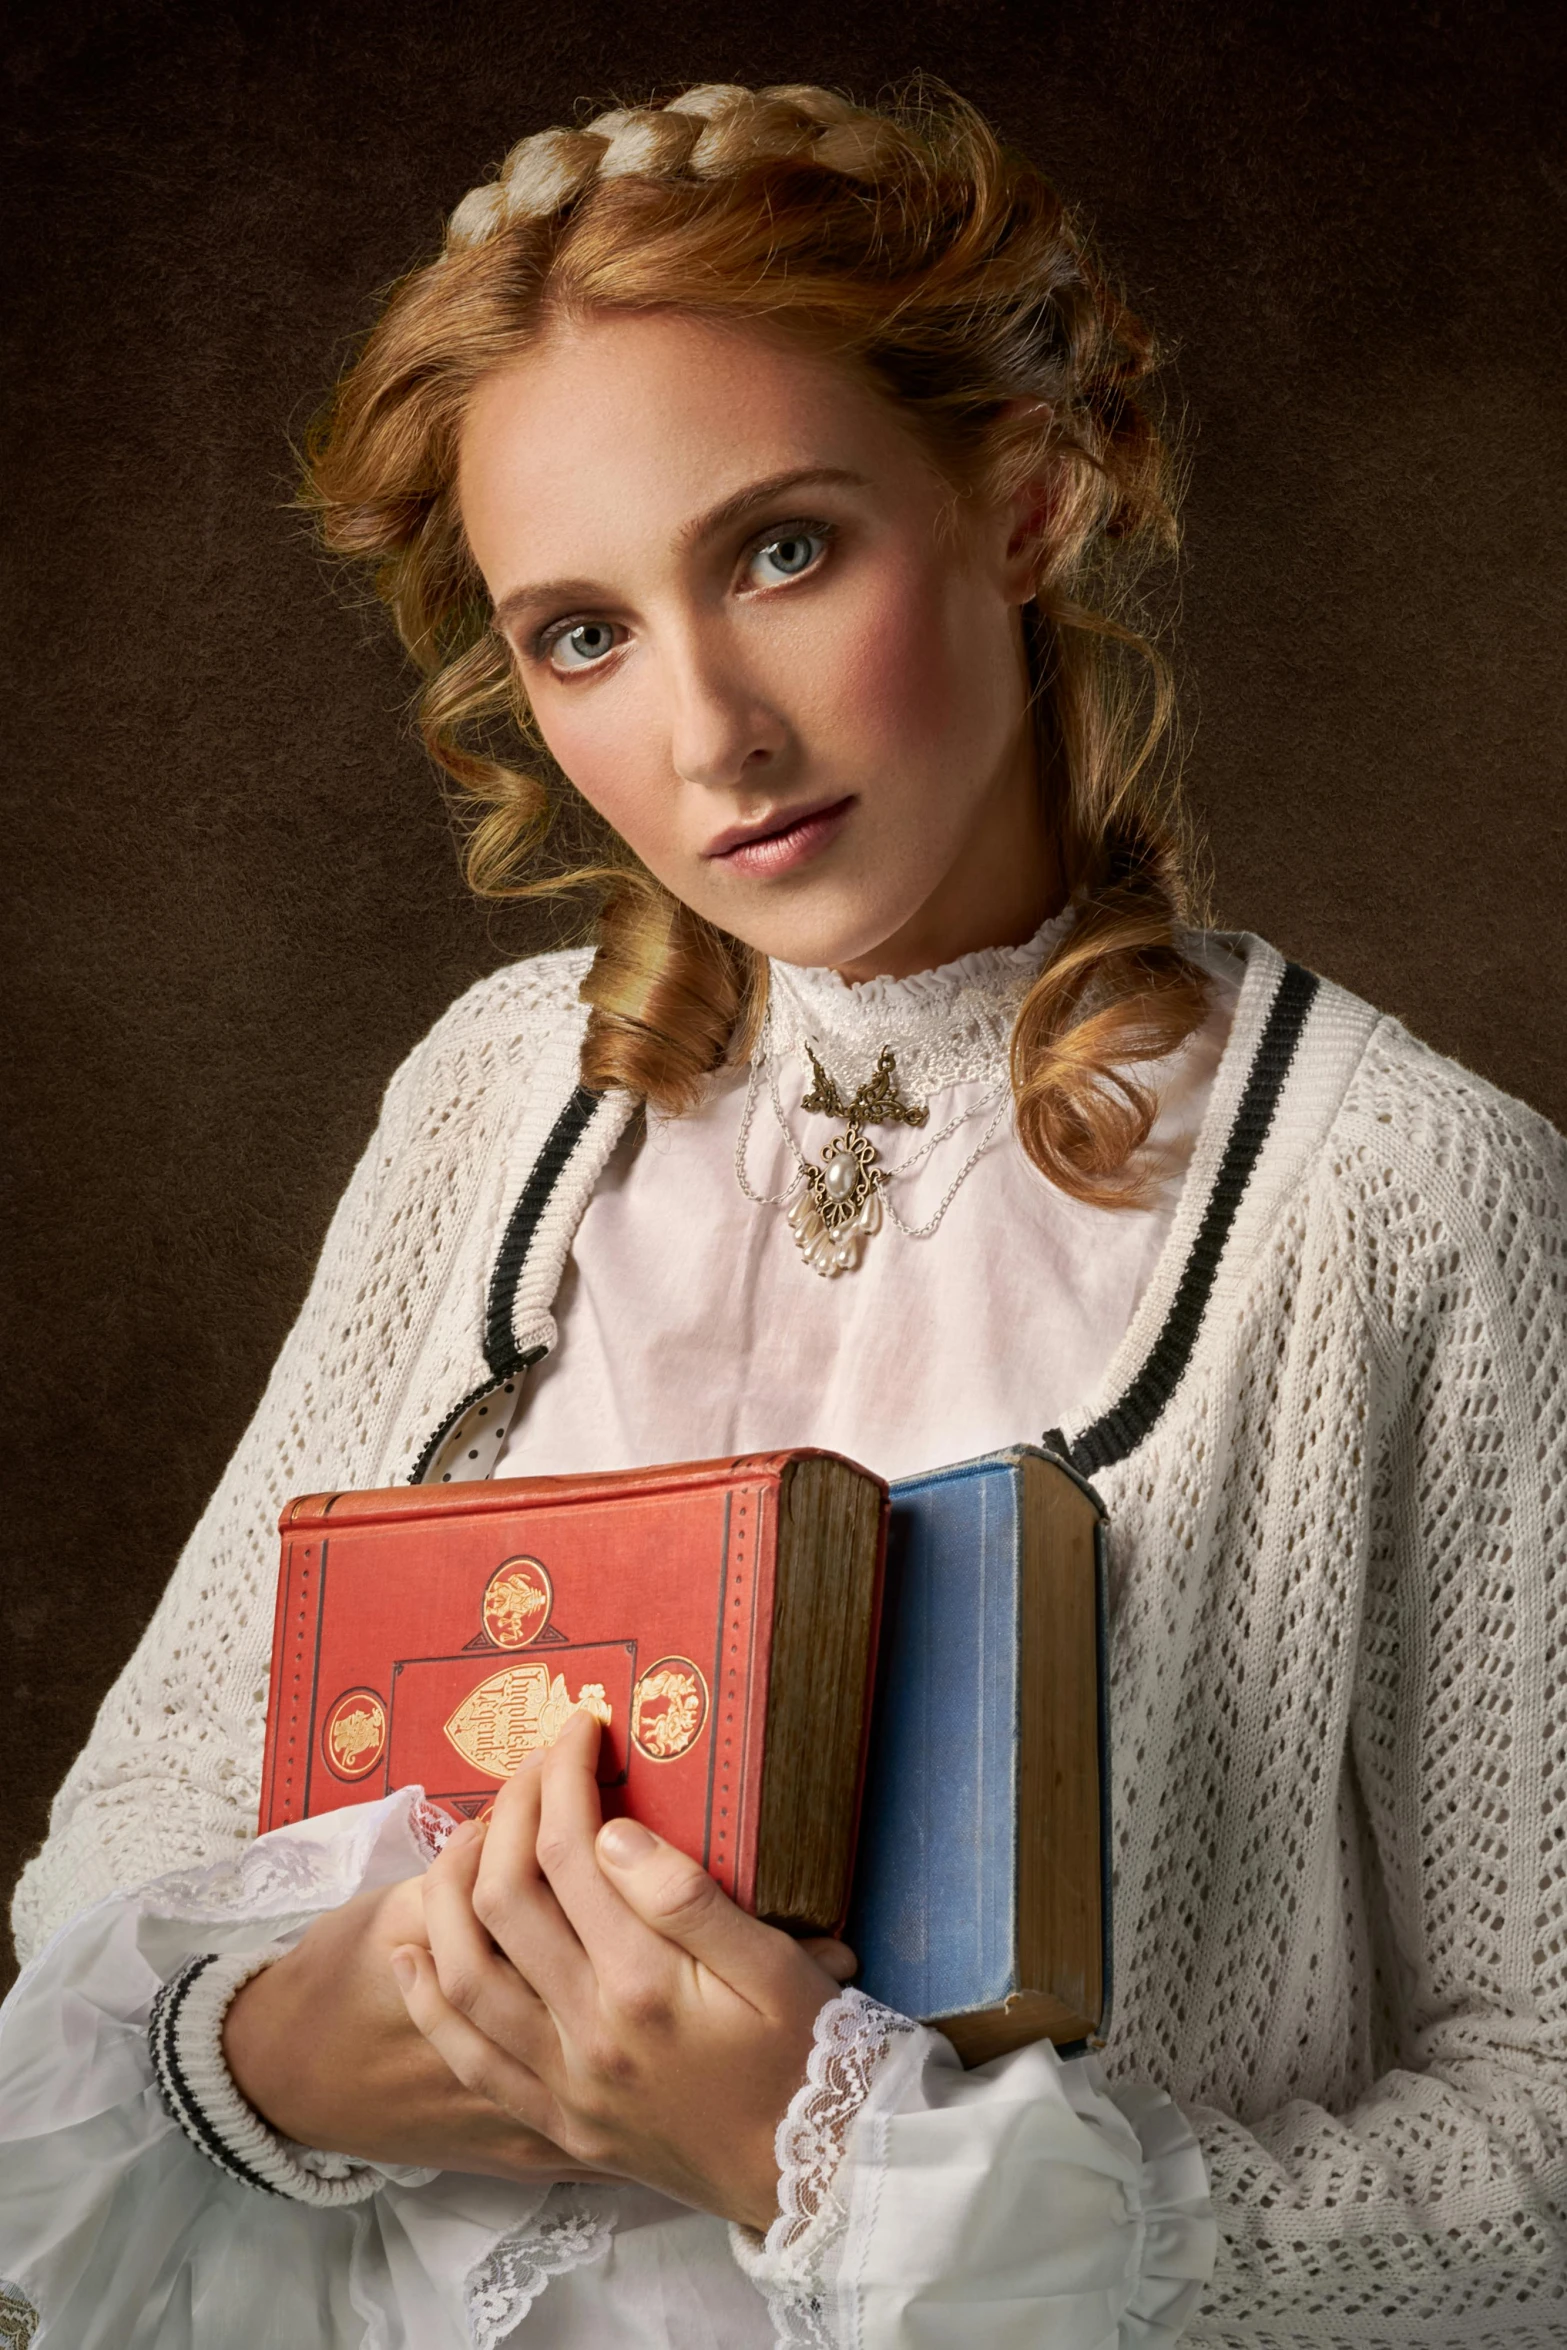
623,1842
404,1968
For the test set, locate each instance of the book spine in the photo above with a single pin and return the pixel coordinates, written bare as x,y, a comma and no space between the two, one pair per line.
745,1650
290,1703
274,1688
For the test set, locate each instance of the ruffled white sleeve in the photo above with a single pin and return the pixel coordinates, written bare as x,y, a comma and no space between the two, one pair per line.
1023,2203
121,2235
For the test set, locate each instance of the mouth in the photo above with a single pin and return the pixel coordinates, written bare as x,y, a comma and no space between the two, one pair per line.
779,843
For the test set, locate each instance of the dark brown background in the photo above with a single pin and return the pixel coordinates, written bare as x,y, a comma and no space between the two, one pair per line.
235,902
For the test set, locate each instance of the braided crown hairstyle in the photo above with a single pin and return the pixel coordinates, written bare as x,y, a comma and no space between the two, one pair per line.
911,244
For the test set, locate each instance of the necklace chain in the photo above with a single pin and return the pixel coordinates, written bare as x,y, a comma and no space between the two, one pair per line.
764,1199
924,1231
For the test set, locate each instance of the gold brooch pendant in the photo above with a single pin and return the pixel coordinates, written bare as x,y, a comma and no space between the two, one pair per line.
840,1206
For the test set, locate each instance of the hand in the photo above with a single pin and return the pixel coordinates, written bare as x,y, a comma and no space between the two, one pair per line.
598,1985
323,2048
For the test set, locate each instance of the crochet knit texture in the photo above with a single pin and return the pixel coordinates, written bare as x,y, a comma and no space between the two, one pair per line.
1339,1667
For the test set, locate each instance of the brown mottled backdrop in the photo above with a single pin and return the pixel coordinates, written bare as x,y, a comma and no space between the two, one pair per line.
234,900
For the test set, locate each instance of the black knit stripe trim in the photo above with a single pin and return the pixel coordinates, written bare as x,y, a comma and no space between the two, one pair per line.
500,1344
500,1340
1131,1417
178,2097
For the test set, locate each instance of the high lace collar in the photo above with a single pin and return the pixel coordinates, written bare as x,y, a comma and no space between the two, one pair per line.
951,1026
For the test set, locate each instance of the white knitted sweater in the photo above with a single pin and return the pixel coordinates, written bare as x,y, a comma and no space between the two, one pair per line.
1334,1455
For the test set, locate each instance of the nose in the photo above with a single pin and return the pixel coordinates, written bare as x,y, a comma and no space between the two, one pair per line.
724,733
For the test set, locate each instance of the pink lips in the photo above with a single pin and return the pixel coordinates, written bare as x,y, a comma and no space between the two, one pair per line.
781,844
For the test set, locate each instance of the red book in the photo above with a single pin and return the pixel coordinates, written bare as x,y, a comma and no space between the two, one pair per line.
719,1618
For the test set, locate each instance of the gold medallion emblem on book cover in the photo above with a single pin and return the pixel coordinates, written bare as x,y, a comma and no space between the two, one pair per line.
353,1736
668,1709
517,1602
514,1713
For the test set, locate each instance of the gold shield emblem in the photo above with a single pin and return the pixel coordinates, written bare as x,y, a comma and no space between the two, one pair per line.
517,1602
668,1709
515,1712
353,1736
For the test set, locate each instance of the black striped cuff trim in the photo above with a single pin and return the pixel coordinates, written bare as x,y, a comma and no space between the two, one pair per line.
175,2090
1119,1430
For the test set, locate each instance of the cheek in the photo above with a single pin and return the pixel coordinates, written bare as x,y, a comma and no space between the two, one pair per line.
900,682
605,744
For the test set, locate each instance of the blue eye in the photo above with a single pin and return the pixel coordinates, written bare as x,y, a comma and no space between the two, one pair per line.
582,647
789,555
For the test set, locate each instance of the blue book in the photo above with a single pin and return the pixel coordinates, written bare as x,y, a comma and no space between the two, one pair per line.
981,1893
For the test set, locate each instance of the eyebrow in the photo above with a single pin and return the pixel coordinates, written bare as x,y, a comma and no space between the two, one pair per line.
734,509
699,531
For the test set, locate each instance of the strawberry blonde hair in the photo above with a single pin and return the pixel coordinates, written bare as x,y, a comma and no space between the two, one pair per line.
907,241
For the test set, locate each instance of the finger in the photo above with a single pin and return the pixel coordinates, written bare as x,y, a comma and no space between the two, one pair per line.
676,1897
472,2059
570,1816
833,1957
511,1831
514,1901
475,1977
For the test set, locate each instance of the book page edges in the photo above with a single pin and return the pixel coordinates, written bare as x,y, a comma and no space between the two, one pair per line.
832,1533
1062,1536
983,2032
1061,1889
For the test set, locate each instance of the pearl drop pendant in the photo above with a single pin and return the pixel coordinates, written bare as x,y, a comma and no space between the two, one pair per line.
840,1207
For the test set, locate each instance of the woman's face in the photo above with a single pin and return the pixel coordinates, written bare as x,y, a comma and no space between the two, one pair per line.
762,638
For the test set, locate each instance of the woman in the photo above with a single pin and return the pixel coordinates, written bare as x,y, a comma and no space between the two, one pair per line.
779,469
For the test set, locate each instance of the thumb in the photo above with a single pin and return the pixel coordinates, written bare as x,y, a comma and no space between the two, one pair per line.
833,1957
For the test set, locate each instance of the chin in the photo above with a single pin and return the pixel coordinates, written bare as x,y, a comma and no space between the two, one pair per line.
825,938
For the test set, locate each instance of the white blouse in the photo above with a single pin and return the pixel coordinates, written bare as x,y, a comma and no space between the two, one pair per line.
691,1327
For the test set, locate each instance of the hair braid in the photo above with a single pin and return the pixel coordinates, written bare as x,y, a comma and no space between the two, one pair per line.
947,270
709,132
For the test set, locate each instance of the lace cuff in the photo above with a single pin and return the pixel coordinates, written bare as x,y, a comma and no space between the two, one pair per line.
792,2263
185,2041
570,2230
1180,2234
911,2191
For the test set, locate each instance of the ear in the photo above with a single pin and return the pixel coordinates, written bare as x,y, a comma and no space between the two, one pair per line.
1030,512
1025,517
